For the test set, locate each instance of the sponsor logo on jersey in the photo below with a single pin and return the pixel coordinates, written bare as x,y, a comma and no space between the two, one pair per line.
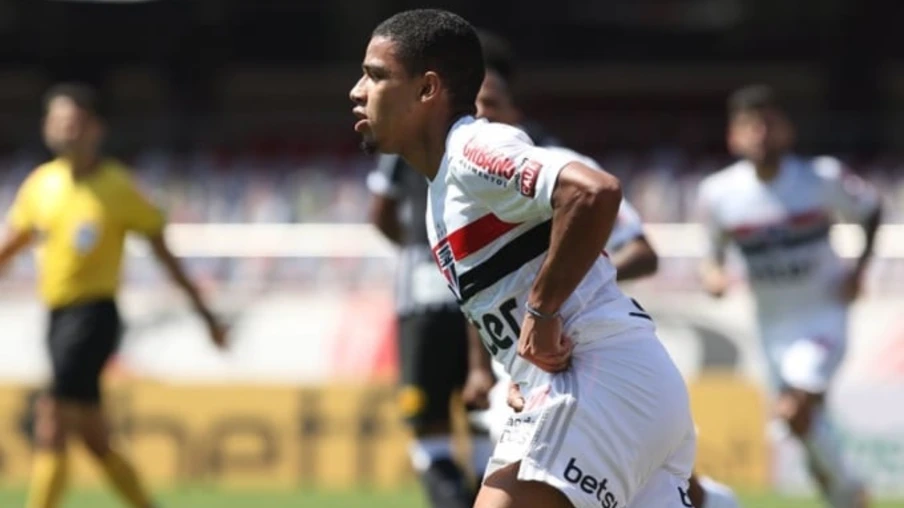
491,162
445,260
530,173
685,498
598,487
87,235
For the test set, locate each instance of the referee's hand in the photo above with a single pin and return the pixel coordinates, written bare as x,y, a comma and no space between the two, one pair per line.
218,333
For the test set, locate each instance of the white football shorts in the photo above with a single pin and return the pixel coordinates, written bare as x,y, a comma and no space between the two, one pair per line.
805,351
613,431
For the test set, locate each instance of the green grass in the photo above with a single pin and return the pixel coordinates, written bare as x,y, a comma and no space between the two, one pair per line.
408,498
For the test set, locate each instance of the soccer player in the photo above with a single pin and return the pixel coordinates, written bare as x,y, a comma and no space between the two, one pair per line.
517,231
777,208
78,208
432,330
630,252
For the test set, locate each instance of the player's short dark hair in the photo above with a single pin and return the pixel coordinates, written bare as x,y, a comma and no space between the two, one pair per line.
498,55
442,42
753,98
83,95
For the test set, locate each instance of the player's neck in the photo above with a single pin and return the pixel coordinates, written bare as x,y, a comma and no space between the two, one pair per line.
82,165
767,171
427,156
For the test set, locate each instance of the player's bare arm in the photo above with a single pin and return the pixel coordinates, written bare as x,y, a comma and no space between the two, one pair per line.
854,281
712,269
384,215
14,242
174,268
635,259
714,277
870,227
585,205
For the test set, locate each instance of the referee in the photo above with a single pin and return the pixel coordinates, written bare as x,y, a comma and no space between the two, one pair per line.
77,209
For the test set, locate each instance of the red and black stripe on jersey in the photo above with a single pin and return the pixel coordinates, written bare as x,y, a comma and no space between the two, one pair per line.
478,234
795,230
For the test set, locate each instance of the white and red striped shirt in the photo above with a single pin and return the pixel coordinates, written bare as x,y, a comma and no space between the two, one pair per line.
781,228
489,216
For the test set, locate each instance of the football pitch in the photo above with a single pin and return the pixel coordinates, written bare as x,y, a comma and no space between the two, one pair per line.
407,498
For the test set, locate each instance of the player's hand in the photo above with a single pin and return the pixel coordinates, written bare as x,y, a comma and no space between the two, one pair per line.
515,399
543,344
852,285
715,281
476,392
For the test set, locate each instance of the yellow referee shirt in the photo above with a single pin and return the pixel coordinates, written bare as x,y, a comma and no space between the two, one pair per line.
80,226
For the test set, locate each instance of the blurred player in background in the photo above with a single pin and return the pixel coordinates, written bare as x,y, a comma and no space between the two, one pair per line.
517,231
432,337
77,209
630,252
778,209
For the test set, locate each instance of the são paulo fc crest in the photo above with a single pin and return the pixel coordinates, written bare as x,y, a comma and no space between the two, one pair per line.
445,260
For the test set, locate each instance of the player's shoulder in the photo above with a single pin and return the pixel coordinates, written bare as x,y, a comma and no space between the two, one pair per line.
47,168
825,167
470,132
488,149
116,172
732,175
45,174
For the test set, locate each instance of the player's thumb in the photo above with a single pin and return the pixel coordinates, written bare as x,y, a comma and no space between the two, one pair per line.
566,346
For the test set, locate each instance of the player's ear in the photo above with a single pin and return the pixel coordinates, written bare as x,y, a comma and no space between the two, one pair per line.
430,86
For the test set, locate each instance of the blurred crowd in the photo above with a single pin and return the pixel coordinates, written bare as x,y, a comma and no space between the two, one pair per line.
267,186
222,187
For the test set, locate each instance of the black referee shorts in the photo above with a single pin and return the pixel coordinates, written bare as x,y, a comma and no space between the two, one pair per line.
433,354
81,338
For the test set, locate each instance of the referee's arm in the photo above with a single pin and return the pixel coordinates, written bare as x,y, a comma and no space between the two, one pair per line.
146,219
20,231
174,268
13,243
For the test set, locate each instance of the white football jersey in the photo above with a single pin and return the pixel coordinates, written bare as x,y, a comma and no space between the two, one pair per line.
781,228
489,217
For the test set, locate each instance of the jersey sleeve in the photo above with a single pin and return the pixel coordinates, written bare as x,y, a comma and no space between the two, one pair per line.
628,227
386,179
138,213
509,175
21,216
714,234
851,197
